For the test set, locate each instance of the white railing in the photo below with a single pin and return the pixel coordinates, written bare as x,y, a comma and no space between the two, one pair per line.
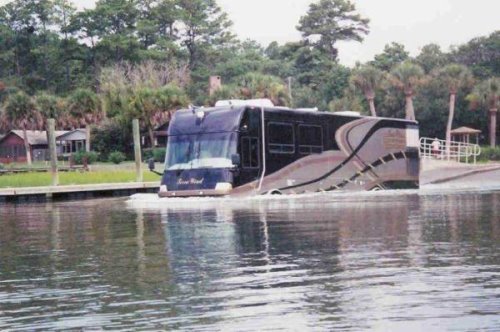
431,148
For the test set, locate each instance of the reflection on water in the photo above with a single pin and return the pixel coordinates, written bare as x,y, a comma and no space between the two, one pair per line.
397,262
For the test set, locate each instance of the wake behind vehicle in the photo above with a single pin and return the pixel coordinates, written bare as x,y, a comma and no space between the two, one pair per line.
254,148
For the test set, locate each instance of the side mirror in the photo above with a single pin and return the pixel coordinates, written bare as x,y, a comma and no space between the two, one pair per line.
236,159
151,164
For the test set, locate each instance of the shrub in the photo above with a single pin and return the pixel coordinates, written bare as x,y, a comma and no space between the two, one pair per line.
80,155
489,153
157,153
116,157
111,136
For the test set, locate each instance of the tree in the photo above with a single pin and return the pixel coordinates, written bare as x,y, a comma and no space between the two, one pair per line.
453,77
487,95
203,24
393,55
481,55
350,102
20,111
256,85
152,106
407,77
64,10
367,78
51,107
431,57
83,106
332,21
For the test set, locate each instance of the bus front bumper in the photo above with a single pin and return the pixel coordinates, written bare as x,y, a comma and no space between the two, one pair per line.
194,193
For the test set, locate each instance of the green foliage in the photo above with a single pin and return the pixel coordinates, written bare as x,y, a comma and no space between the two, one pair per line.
111,136
146,58
486,94
256,85
158,154
37,179
83,105
226,92
333,20
367,79
20,111
116,157
481,55
407,76
204,24
80,156
431,57
393,55
489,153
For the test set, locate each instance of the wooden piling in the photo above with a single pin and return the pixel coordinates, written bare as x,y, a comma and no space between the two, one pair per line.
51,124
137,150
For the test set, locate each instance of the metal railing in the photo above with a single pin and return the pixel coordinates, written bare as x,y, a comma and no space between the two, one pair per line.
431,148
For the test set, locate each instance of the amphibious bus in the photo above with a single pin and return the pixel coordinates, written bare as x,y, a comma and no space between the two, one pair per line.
245,148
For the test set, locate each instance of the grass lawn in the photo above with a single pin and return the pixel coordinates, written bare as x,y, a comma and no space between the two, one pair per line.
70,178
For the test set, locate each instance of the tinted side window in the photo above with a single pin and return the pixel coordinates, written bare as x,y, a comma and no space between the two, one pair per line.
250,152
281,137
310,139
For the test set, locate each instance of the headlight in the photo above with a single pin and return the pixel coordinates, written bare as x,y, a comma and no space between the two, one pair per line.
223,186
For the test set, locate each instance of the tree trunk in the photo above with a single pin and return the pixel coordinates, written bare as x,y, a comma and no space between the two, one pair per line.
410,112
371,102
451,114
151,137
87,141
27,146
493,127
104,107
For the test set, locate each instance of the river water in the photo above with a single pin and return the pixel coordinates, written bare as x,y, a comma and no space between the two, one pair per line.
376,262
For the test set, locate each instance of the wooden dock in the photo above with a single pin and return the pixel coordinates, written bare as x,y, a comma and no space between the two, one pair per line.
71,192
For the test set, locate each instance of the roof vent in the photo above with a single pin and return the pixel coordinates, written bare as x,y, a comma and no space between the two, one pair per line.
249,102
348,113
308,109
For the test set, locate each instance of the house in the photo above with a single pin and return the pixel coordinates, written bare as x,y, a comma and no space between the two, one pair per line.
161,136
12,145
71,142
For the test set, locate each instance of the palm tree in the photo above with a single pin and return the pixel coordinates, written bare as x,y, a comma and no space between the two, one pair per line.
454,76
20,111
367,78
487,95
256,85
153,106
407,77
51,107
83,106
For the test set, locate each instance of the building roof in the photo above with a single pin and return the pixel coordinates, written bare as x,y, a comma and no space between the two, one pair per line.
74,135
465,131
37,137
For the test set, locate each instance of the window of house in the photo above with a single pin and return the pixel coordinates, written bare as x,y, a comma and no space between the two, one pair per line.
310,139
281,138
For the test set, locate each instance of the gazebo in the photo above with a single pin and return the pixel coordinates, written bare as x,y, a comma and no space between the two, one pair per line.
463,134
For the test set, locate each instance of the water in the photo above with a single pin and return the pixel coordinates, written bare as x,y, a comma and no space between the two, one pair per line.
383,262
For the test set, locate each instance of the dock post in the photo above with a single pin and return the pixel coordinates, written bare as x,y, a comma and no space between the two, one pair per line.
137,150
51,124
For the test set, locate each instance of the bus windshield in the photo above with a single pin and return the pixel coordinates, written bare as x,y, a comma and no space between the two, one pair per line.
212,150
